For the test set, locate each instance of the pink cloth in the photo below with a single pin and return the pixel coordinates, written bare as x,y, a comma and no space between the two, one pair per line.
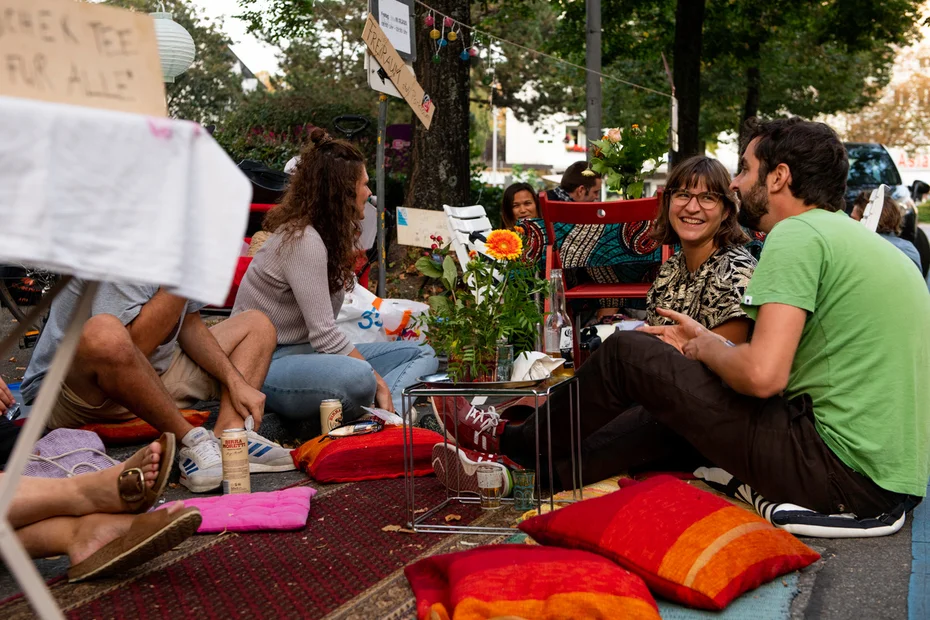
275,510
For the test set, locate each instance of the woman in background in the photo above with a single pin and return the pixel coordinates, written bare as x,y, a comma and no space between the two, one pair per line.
520,202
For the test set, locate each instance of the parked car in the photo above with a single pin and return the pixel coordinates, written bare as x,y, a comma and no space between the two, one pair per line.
870,165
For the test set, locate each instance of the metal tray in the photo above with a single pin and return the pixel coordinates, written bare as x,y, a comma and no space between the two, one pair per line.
442,380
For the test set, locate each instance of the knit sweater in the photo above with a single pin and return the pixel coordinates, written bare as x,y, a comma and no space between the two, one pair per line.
288,282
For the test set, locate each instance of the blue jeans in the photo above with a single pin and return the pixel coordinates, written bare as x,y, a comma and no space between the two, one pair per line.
299,378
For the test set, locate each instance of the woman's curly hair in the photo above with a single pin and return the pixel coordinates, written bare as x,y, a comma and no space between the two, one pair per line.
322,194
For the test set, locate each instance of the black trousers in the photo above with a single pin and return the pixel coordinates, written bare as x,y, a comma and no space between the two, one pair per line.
643,404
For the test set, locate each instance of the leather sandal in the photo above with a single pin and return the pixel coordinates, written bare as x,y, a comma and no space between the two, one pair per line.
149,536
131,482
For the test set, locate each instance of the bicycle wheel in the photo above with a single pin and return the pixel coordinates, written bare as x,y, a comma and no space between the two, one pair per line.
22,288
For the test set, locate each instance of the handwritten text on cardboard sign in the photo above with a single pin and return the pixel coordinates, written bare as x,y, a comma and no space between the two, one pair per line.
394,66
82,54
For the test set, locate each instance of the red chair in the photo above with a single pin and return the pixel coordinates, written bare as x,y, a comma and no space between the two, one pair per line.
615,212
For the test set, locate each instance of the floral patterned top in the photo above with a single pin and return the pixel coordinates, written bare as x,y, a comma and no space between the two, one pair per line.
711,295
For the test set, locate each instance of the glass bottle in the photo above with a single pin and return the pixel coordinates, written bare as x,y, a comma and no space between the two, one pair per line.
557,336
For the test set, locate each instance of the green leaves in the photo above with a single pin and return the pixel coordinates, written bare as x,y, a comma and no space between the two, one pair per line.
450,274
439,305
428,267
478,308
622,162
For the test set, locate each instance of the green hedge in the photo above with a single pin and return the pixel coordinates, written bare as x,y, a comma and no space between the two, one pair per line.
272,127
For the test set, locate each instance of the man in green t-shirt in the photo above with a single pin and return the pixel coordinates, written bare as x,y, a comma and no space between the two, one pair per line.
828,405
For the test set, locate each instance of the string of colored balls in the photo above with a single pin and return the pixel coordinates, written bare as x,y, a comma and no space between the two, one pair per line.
443,41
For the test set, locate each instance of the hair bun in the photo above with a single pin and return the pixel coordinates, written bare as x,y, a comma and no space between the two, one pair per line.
319,136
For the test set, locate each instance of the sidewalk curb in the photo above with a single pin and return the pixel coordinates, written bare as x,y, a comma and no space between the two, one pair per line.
918,596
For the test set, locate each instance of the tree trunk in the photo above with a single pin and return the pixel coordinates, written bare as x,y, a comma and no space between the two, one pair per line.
440,158
686,74
753,85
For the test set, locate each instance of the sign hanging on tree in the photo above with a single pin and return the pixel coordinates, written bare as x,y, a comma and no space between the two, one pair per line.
396,20
381,49
81,54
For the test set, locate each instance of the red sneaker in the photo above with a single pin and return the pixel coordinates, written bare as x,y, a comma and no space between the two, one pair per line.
457,469
469,426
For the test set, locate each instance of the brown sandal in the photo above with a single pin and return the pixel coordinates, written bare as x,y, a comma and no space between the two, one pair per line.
131,482
149,536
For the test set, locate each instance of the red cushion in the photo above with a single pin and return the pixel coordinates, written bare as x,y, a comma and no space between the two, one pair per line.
137,430
689,545
366,457
520,581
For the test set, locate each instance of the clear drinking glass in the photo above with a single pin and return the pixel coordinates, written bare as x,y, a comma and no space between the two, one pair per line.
490,486
504,361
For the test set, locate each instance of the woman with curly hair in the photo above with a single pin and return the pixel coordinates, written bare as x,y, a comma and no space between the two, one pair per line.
299,278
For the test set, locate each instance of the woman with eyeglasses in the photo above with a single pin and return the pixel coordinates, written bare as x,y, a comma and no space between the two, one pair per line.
706,279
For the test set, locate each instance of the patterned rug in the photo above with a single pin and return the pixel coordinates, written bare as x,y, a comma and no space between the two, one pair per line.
333,565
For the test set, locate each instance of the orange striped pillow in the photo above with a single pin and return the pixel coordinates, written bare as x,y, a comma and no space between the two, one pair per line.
690,546
137,430
516,581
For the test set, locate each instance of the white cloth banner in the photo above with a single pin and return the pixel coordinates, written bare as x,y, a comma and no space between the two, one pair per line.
112,196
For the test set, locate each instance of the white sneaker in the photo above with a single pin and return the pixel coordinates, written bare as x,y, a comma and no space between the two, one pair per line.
200,461
265,455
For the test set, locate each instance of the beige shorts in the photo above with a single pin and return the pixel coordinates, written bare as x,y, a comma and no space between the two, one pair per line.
185,381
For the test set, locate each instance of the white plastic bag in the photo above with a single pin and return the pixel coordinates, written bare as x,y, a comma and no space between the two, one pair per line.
359,318
364,317
398,315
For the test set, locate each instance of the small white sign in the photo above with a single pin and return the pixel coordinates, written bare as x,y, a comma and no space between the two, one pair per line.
414,227
394,19
378,79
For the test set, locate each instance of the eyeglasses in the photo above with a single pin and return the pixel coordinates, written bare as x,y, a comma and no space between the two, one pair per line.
707,200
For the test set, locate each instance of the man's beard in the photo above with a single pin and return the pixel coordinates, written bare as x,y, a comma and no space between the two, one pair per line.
755,206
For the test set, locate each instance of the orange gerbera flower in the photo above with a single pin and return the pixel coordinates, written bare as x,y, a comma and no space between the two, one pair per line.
519,230
504,245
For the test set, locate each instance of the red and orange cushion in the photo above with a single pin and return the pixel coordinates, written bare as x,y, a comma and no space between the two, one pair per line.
690,546
137,430
365,457
527,582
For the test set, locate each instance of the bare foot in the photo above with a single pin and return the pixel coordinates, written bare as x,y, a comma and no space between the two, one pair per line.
93,531
100,490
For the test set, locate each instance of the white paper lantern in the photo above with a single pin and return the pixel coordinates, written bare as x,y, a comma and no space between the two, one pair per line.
175,46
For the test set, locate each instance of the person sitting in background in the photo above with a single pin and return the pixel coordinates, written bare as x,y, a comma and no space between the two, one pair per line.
299,279
520,202
575,186
889,225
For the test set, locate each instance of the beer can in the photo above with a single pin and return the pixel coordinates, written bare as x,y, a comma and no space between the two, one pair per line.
330,414
234,446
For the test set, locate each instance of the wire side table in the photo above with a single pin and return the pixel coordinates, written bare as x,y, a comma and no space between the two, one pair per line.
541,397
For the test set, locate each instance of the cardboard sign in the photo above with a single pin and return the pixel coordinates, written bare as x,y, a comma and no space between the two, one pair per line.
82,54
382,50
414,226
